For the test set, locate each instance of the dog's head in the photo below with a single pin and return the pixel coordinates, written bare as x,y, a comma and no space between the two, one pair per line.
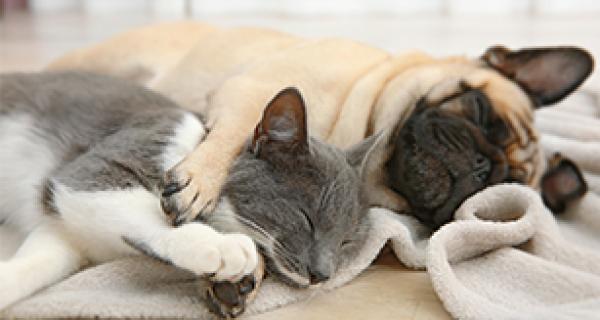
470,124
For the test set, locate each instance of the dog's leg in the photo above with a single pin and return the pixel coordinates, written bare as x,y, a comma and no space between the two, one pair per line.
192,187
140,55
43,259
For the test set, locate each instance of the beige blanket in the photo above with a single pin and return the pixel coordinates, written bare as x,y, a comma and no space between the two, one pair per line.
505,256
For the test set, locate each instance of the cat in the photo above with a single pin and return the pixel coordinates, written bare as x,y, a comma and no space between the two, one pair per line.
81,166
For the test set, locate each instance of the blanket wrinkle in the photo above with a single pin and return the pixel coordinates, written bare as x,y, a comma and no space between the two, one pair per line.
504,257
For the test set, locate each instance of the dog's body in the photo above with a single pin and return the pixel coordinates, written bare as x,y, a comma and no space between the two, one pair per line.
352,91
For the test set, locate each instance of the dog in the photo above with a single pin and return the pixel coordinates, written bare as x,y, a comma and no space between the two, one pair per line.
448,127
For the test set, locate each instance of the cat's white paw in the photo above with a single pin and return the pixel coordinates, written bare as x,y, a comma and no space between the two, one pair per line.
202,250
239,257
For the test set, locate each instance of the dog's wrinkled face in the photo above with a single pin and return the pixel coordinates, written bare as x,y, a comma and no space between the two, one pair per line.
447,156
474,126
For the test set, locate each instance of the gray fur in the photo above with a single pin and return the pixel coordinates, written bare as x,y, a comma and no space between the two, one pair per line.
111,135
310,204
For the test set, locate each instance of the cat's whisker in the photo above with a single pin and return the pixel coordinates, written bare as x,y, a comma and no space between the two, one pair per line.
327,192
284,250
255,227
285,255
263,233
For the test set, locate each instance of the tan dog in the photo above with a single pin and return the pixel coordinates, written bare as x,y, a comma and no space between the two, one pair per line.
451,126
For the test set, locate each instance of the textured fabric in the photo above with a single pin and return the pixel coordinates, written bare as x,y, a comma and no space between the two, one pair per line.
505,256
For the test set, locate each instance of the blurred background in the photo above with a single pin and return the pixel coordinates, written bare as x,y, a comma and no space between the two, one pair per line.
32,32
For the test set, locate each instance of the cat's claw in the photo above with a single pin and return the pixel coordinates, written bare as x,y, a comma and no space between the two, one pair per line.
183,199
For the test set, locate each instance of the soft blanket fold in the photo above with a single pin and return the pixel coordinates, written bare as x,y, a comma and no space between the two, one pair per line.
505,257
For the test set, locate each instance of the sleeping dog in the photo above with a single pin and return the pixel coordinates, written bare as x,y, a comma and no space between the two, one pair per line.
448,126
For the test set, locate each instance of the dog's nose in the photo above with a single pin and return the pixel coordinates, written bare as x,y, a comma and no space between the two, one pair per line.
318,276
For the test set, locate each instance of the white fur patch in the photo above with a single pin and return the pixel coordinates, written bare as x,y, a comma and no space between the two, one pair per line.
188,133
96,221
202,250
25,161
44,258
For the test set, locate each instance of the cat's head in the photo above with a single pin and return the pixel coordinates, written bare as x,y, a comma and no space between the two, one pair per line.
299,198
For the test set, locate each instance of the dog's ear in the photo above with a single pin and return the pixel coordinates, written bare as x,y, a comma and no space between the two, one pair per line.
546,74
562,184
283,125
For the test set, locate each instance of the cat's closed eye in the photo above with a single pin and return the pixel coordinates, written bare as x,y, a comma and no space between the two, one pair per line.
346,243
309,222
306,211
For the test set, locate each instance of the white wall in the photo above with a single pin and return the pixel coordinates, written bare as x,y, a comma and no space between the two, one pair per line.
295,8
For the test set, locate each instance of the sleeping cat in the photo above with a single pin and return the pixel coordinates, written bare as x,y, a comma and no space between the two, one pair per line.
81,160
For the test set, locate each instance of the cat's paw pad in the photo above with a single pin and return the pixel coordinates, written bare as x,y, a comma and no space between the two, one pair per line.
184,197
228,299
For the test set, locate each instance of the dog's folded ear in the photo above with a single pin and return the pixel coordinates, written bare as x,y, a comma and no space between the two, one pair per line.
283,126
562,184
546,74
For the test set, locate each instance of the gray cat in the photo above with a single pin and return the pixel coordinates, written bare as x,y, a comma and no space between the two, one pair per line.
81,162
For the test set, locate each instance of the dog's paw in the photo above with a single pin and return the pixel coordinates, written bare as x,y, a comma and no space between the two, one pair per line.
190,191
180,198
228,299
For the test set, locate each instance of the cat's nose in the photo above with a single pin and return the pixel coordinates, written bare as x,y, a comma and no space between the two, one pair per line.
318,276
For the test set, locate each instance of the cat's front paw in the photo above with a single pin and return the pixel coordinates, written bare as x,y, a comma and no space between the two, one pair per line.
189,190
228,299
204,251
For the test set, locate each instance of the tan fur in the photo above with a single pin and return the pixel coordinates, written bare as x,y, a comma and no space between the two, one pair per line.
351,90
139,55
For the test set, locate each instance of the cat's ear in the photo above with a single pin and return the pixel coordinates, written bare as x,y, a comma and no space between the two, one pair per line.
283,125
546,74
